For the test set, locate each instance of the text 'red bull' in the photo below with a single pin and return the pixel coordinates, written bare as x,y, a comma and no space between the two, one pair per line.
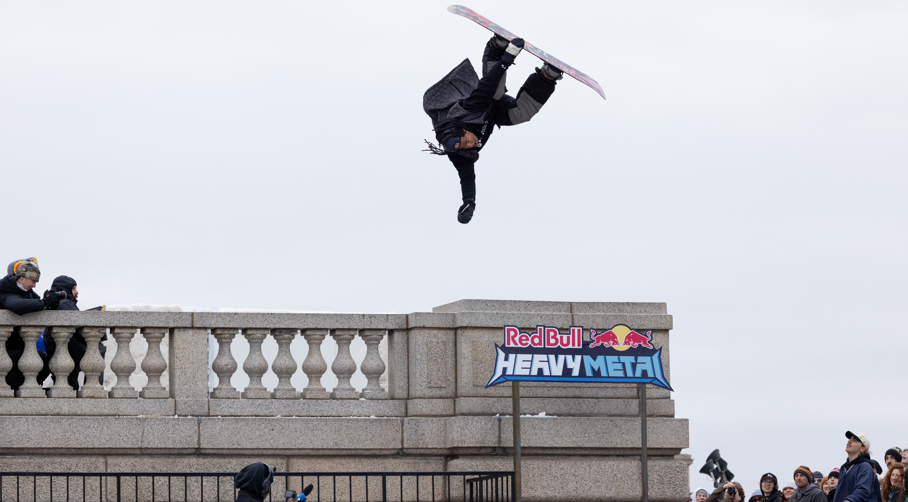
545,336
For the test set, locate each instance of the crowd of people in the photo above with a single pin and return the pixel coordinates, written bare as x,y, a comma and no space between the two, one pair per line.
18,296
860,479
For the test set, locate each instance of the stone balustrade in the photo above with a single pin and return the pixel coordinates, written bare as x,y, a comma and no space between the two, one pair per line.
423,405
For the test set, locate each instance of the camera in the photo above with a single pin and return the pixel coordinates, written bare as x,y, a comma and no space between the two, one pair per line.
290,495
731,491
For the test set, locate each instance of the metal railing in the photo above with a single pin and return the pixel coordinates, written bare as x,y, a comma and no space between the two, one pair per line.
487,486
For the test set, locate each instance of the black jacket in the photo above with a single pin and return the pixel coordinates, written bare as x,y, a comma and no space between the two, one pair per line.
12,298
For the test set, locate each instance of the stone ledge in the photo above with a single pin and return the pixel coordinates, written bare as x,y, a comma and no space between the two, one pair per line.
87,407
98,319
500,319
299,434
619,308
300,321
306,408
573,407
581,432
511,306
635,321
97,433
430,320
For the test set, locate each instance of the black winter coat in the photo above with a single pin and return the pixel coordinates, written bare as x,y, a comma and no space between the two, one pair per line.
14,299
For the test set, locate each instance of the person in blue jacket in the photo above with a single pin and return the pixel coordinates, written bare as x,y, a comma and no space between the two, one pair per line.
857,479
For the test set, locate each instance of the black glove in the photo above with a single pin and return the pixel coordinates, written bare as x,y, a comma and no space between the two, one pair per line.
465,213
512,51
52,299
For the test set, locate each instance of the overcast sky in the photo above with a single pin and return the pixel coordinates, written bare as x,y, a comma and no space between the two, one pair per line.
748,168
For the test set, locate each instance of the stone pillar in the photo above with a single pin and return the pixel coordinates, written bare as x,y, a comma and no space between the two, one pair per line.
284,366
188,370
92,364
123,364
255,365
224,365
6,364
372,366
315,366
30,363
62,363
343,366
154,364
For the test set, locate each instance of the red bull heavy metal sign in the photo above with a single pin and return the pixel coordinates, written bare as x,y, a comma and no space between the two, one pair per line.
617,355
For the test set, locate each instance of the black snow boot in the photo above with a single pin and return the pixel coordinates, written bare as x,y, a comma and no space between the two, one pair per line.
465,213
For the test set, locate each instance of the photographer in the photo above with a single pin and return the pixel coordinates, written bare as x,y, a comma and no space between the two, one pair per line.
17,296
731,492
254,482
67,287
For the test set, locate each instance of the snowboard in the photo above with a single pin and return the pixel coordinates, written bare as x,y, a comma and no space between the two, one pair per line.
472,15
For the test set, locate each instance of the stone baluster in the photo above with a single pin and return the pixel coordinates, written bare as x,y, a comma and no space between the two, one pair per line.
343,366
123,364
255,365
372,365
30,363
154,364
92,364
284,366
62,363
315,366
224,365
6,364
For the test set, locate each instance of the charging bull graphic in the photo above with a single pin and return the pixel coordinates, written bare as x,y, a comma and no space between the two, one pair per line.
616,355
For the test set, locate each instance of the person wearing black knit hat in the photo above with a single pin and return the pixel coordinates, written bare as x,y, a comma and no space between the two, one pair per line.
254,482
465,109
769,485
892,456
806,491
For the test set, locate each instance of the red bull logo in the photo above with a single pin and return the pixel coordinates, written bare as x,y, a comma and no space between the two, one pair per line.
621,338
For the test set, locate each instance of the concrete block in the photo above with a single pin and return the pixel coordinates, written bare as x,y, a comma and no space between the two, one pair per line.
80,435
585,478
618,308
192,488
504,306
430,320
87,407
41,487
334,436
573,407
461,435
474,432
326,488
307,408
635,321
384,321
398,364
430,407
500,319
432,363
188,366
608,433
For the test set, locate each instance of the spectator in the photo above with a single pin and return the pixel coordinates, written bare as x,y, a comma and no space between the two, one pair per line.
254,482
769,485
700,495
891,487
904,456
892,456
857,481
824,486
723,493
806,490
756,496
788,491
818,478
833,481
17,296
77,346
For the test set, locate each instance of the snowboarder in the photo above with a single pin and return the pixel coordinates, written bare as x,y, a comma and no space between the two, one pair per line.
465,109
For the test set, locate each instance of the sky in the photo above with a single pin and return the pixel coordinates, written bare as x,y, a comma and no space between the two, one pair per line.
747,168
